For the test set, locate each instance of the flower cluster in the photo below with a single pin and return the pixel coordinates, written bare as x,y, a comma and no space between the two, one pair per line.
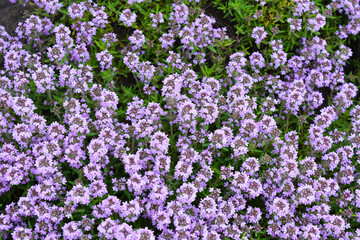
203,148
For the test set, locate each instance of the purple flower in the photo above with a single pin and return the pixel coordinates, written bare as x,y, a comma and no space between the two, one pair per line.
295,24
187,193
22,233
167,40
101,210
44,78
71,231
254,188
80,53
127,17
251,165
99,16
187,112
306,194
63,37
87,223
308,166
331,160
314,24
159,141
78,194
240,181
146,70
253,215
162,164
162,220
12,60
259,34
98,188
76,10
172,86
207,207
131,210
56,53
278,58
107,228
249,129
311,232
137,183
50,6
105,59
97,149
145,233
346,174
239,145
22,133
218,139
124,231
180,13
110,37
23,106
133,1
183,170
137,38
290,231
257,61
279,207
156,19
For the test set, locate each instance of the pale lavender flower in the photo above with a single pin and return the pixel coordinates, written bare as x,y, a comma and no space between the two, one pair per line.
110,37
160,142
105,59
180,13
218,139
259,34
156,19
137,38
253,215
79,194
279,207
306,194
22,233
295,24
23,106
314,24
71,231
127,17
167,40
76,10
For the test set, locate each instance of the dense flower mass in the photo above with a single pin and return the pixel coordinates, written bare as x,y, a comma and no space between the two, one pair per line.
221,135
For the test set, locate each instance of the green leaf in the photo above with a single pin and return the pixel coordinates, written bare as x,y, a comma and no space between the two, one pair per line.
193,51
100,45
64,11
212,49
139,8
203,70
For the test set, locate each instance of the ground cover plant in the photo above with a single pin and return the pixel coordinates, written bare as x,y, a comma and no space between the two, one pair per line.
145,119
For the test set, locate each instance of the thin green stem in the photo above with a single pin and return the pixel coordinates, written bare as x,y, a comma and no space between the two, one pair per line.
266,146
49,95
287,122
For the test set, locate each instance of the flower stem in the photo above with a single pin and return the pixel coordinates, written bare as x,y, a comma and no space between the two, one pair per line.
287,122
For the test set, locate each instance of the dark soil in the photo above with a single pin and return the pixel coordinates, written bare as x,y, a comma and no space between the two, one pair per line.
221,21
12,14
122,33
353,65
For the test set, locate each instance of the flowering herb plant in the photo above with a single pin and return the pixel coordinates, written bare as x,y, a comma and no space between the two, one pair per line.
147,119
